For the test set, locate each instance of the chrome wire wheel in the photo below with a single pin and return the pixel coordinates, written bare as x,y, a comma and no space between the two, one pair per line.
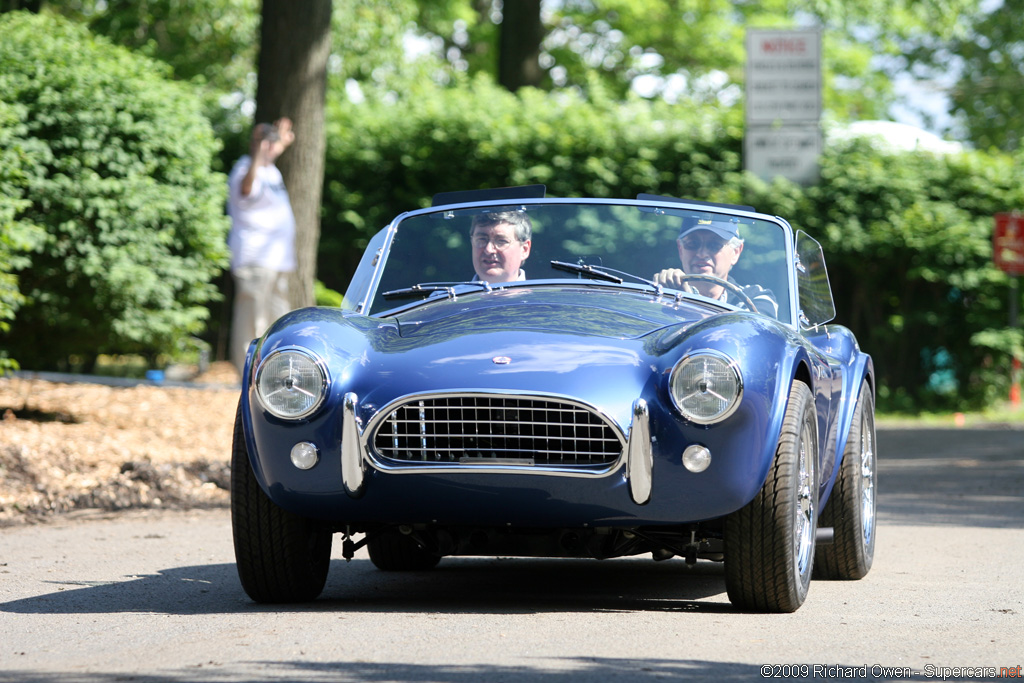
867,477
851,510
804,518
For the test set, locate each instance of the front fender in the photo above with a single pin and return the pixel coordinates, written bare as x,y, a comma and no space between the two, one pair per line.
328,333
771,356
857,366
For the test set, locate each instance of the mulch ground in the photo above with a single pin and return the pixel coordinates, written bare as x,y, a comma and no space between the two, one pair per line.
79,446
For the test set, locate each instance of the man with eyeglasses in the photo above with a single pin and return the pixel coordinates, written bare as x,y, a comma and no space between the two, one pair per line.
501,243
711,245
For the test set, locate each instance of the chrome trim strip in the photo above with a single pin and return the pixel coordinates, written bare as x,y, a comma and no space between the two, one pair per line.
640,456
379,260
352,452
461,468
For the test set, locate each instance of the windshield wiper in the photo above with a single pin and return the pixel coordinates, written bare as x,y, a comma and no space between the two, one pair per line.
584,269
603,273
425,289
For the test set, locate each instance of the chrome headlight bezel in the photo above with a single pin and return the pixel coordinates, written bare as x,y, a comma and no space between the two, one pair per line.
681,395
309,368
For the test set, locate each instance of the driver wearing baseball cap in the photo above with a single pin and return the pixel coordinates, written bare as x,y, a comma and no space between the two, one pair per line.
710,245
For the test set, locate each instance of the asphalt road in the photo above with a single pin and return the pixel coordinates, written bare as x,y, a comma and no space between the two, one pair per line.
148,597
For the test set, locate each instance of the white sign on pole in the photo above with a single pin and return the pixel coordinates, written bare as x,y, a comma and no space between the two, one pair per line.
783,76
783,104
788,151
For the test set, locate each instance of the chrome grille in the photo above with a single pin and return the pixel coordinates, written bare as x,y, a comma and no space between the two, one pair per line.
499,430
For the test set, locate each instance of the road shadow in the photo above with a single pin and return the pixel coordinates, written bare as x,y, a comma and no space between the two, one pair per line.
963,477
567,669
456,586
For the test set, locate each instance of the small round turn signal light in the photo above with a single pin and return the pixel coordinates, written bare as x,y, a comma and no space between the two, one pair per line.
696,458
304,455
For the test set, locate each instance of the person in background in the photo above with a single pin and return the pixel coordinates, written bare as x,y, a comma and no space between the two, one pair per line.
262,237
501,243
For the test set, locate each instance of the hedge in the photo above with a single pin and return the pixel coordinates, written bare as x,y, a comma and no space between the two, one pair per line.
16,237
118,161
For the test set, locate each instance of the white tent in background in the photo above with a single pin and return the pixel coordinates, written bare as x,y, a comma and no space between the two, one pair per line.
897,137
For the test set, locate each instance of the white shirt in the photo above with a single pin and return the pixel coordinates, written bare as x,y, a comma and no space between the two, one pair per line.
262,224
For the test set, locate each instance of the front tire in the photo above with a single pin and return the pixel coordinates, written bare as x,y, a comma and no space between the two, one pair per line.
769,543
281,557
851,511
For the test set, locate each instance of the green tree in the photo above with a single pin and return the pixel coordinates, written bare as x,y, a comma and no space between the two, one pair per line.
694,49
989,94
119,175
17,238
211,41
295,42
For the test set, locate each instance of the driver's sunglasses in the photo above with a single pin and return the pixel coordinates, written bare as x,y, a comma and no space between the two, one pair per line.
712,246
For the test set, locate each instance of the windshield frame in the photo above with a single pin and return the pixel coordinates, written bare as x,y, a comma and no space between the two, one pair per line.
363,289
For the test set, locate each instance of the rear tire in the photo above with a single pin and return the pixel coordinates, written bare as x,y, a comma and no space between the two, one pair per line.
395,552
851,510
281,557
769,543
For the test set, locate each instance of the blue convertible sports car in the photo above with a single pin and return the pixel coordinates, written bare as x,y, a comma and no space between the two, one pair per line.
517,375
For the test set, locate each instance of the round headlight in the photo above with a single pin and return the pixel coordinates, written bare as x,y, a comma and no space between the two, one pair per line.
706,387
291,384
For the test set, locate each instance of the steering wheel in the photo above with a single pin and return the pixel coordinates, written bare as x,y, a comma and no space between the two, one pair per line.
714,279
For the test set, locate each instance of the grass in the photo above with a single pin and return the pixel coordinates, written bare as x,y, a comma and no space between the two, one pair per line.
1004,415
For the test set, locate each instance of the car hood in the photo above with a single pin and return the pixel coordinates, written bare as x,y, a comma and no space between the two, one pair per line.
598,344
572,311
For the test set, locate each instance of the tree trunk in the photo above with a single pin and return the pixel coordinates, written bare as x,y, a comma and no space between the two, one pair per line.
33,6
295,41
519,44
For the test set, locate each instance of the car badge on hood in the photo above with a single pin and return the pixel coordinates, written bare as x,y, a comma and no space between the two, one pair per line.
501,360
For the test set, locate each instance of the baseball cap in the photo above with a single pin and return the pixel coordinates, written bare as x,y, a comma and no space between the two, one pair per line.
725,227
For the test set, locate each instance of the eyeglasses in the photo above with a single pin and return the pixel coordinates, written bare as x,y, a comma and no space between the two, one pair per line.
712,246
500,243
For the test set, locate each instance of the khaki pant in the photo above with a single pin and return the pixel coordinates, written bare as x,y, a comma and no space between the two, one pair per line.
261,297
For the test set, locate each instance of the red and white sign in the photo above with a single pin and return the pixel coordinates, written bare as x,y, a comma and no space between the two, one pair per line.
783,77
1008,243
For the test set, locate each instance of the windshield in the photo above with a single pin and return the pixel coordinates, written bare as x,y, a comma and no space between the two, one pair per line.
617,245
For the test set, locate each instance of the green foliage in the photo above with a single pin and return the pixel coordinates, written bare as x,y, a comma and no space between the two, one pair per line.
908,240
326,297
907,236
212,41
117,170
16,237
989,95
695,48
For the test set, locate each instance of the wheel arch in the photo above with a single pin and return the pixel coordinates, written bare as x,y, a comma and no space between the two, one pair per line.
861,370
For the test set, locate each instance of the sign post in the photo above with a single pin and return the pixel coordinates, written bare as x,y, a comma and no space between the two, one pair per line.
1008,255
